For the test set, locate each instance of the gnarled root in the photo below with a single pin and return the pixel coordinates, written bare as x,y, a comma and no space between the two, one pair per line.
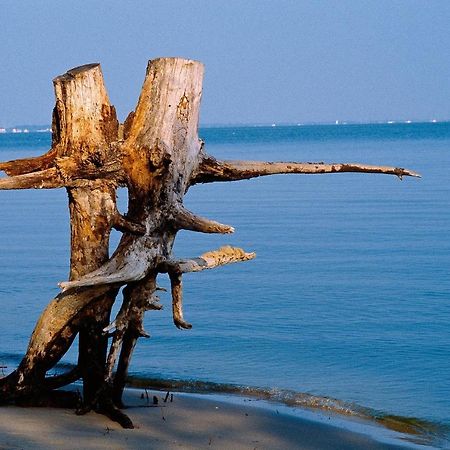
103,404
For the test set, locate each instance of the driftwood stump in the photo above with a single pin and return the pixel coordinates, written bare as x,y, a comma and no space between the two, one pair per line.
157,155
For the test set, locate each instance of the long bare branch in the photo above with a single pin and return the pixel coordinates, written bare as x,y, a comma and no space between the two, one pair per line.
209,260
109,274
44,179
131,262
28,165
211,169
186,220
66,173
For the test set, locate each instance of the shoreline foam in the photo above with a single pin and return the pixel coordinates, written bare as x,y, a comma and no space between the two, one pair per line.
379,424
188,422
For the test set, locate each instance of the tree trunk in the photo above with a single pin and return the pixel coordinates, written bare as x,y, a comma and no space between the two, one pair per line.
157,155
84,122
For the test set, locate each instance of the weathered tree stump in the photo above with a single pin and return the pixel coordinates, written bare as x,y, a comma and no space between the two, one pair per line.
157,155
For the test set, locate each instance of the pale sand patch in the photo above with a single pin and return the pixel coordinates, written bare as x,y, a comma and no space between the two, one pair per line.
186,423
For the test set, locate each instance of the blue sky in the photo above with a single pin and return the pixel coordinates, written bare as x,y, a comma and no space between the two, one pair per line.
266,61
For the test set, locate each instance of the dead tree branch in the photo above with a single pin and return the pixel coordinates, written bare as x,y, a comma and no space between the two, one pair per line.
211,169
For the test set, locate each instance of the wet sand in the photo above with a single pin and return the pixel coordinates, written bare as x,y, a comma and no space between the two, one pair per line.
188,422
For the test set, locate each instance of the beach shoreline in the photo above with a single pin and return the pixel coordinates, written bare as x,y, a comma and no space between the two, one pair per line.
189,421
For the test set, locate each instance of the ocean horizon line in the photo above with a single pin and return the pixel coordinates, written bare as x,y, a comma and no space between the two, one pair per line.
46,128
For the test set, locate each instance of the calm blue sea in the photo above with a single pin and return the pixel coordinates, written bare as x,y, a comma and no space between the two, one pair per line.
348,299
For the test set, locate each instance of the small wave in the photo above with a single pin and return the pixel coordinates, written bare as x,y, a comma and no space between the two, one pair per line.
418,430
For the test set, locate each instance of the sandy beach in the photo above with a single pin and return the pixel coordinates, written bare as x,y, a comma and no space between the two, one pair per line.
188,422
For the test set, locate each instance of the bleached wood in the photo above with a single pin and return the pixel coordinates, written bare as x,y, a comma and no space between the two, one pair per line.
43,179
176,284
211,169
84,121
186,220
161,139
84,127
157,155
209,260
122,223
120,268
28,165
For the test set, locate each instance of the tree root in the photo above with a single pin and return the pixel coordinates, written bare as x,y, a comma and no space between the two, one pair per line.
58,381
111,411
51,399
104,404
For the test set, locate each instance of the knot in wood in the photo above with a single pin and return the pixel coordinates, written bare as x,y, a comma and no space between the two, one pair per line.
66,167
159,158
183,109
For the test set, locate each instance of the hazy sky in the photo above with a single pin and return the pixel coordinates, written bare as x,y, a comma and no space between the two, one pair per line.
266,61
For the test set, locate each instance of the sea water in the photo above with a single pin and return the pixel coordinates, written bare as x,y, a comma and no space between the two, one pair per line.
347,305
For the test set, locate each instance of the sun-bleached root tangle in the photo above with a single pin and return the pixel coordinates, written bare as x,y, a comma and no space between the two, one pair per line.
157,155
